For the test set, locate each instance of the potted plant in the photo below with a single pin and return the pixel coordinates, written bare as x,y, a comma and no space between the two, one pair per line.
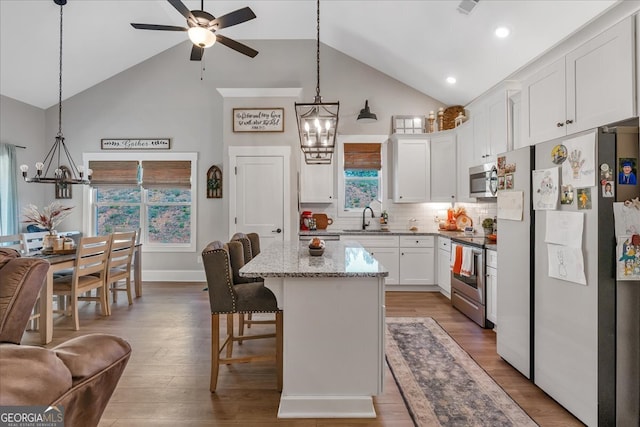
49,218
487,225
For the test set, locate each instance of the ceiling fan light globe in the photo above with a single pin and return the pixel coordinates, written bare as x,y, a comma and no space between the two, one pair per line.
201,37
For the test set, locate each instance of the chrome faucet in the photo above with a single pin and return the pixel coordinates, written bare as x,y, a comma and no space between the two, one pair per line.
365,224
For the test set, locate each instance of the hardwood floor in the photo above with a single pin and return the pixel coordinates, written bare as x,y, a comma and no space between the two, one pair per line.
166,382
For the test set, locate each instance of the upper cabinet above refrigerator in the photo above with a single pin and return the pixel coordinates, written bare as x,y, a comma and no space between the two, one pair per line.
589,87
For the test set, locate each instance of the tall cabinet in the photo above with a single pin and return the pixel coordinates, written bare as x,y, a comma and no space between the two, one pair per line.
443,167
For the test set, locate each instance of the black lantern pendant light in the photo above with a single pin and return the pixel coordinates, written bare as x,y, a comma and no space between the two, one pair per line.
317,122
71,174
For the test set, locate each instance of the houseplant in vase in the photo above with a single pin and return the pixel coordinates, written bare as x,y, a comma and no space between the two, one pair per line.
48,218
487,225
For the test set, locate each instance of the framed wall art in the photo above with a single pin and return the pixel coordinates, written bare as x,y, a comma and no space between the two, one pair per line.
408,124
214,183
258,119
135,144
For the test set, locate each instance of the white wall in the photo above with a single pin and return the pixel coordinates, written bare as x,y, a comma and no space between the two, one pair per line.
166,97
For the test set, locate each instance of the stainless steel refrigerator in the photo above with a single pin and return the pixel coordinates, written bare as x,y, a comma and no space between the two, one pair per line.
515,258
580,357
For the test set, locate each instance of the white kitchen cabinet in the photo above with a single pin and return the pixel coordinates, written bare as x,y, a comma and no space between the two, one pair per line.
464,142
491,283
388,257
316,183
513,120
589,87
443,167
417,260
411,162
490,130
444,266
386,250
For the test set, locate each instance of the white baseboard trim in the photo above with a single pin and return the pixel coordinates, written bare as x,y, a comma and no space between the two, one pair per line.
173,276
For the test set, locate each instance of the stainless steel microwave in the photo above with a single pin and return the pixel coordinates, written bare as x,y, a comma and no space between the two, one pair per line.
483,181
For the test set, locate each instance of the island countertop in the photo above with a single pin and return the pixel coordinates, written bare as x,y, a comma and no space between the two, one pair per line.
292,259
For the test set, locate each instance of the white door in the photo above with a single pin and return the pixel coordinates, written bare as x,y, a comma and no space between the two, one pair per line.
260,197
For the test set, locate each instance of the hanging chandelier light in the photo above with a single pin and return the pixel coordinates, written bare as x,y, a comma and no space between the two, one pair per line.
71,174
317,122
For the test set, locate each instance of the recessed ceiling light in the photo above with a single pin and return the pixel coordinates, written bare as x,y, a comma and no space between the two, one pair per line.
451,80
502,32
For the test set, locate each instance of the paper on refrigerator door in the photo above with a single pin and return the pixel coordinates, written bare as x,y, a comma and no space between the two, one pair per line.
627,219
579,167
510,205
628,259
564,228
566,263
545,184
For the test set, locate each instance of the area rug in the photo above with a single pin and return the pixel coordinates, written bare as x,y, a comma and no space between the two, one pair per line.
441,384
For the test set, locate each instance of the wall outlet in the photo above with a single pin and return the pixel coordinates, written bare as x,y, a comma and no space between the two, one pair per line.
198,259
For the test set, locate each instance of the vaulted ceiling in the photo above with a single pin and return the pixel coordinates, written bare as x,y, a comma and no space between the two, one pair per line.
419,43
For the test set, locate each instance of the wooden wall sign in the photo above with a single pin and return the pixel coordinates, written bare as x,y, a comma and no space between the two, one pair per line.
214,183
136,144
258,119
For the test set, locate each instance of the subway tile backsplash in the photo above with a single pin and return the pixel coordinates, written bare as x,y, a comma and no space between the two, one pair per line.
401,214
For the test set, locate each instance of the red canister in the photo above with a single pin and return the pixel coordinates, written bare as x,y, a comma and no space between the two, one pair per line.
305,216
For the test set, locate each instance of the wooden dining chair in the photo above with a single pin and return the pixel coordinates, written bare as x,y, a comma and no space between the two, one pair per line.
14,241
34,241
119,264
89,272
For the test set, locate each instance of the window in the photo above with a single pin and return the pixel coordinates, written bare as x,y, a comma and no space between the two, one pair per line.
361,181
153,194
361,187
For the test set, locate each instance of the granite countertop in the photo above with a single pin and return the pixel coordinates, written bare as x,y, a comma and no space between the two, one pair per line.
476,239
374,232
292,259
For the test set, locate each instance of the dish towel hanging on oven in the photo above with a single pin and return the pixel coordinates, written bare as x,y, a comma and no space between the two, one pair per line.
456,258
466,269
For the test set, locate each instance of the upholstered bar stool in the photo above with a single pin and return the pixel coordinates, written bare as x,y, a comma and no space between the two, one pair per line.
228,298
251,248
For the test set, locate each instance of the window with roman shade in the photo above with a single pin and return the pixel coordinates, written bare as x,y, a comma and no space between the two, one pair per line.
362,164
363,156
114,172
165,173
153,192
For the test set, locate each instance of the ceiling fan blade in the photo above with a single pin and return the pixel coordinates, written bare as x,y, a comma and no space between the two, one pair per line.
242,48
157,27
196,53
184,11
233,18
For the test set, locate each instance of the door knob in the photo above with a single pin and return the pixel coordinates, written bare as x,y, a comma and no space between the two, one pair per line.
569,121
559,124
277,230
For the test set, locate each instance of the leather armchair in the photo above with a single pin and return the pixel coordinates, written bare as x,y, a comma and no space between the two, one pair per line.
78,375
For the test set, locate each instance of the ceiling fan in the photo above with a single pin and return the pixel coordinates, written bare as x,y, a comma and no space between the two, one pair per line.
202,27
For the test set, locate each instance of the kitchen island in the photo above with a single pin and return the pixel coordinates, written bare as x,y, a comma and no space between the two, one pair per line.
333,315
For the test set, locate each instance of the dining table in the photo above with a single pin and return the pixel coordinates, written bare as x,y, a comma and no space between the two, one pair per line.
64,261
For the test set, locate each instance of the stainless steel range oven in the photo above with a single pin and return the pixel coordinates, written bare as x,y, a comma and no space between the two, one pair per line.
468,293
